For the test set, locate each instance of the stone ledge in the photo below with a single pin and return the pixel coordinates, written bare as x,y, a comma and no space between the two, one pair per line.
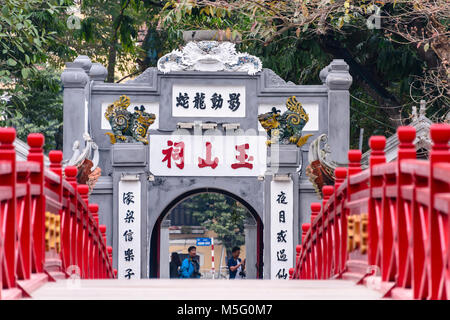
129,155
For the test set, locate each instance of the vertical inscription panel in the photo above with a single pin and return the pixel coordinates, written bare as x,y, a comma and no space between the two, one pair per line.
281,228
129,263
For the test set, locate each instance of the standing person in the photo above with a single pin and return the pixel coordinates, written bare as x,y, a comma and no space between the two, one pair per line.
190,267
235,264
175,264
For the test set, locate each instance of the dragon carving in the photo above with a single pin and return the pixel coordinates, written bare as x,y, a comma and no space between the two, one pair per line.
127,126
287,127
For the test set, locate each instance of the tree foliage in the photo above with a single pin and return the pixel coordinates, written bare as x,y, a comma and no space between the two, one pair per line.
30,44
221,214
394,64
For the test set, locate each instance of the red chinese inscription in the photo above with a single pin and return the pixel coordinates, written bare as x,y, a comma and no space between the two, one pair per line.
208,162
242,157
175,152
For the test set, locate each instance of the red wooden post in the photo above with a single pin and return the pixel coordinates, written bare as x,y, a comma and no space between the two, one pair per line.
377,144
341,174
316,253
291,273
325,226
440,134
56,158
306,268
104,255
406,150
8,181
109,249
71,174
36,154
354,162
110,260
83,235
93,208
298,266
23,224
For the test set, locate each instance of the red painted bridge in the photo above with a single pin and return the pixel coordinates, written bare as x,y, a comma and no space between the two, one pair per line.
381,232
48,229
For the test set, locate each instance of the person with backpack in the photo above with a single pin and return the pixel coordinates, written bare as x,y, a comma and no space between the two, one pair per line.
236,266
174,266
190,267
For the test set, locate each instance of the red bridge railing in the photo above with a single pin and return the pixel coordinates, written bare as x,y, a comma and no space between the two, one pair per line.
388,226
48,229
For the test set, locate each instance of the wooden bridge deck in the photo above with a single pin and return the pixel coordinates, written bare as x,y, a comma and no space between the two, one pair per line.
205,290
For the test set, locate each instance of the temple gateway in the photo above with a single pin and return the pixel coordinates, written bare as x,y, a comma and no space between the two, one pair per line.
207,119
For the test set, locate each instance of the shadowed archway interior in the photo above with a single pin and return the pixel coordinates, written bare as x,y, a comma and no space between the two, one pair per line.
155,241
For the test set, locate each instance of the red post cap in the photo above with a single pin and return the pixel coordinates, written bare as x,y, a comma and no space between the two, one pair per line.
7,135
306,227
291,271
440,134
298,248
55,156
406,134
377,143
71,172
93,208
83,189
315,207
109,250
102,228
35,140
340,173
327,191
354,156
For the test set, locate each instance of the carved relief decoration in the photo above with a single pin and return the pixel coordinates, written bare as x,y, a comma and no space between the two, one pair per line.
209,56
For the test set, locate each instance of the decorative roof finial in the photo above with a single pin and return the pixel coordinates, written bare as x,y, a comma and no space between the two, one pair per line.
423,108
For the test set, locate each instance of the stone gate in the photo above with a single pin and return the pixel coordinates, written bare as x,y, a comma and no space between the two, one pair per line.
205,93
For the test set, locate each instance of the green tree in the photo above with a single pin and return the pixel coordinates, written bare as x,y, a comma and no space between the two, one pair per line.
29,36
221,214
31,46
393,67
113,33
37,107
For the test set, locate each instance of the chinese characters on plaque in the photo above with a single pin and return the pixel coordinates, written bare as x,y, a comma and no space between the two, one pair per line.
129,218
182,155
281,204
208,101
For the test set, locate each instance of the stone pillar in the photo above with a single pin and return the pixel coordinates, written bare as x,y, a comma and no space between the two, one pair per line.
98,72
284,161
164,253
75,80
251,248
130,159
338,80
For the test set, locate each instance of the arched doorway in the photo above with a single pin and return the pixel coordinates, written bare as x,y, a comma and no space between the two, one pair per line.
155,241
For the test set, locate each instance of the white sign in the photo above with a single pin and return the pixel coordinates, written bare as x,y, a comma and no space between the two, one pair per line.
311,109
281,228
152,107
129,237
196,155
208,101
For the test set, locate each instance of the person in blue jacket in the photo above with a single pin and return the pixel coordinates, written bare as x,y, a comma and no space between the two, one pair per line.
190,267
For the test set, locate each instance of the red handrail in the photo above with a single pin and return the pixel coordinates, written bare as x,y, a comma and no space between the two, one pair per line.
388,226
48,229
